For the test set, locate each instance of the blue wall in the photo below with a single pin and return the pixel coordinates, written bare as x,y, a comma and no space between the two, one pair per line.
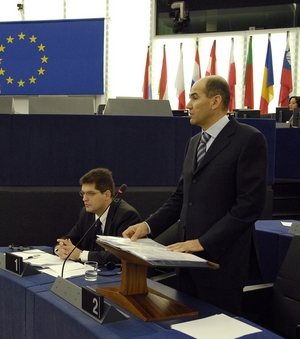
56,150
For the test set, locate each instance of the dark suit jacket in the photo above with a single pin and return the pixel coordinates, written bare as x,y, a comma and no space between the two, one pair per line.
219,202
120,216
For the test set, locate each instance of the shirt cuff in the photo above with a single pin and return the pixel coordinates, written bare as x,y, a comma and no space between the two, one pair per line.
84,256
149,229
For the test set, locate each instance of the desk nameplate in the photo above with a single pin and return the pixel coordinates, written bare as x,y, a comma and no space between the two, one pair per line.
92,302
2,261
73,295
295,228
15,264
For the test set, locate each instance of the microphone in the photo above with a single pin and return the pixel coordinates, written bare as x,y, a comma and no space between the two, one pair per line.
121,190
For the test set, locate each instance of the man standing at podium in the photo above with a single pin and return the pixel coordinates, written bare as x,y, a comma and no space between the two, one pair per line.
110,217
220,195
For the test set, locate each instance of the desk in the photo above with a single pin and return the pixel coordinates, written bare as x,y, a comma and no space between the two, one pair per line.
35,312
54,318
273,242
14,308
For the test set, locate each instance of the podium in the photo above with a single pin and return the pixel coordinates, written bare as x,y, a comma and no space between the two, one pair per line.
135,296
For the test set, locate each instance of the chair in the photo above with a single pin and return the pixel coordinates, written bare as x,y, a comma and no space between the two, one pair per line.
280,304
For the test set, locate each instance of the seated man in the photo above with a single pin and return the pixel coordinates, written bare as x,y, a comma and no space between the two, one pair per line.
97,191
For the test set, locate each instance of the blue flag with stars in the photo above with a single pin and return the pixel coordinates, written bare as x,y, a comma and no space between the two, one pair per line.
60,57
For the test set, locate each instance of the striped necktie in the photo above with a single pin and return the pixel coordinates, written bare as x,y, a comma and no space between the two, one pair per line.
201,150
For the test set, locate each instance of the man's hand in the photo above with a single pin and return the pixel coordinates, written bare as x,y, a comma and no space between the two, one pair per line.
64,247
136,231
189,246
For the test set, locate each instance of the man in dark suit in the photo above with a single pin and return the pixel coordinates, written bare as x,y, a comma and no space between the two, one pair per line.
97,191
217,200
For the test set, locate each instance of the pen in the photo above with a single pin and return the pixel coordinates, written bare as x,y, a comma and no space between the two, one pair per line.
32,256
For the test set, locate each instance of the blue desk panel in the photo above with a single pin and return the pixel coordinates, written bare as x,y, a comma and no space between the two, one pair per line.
14,309
56,150
273,242
287,164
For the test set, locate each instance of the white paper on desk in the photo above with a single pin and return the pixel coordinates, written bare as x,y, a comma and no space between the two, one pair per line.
51,264
218,326
286,223
150,250
40,258
71,269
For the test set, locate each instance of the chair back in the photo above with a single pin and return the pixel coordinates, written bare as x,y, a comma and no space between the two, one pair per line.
284,311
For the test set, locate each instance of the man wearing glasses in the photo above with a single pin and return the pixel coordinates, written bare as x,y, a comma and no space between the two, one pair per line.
97,192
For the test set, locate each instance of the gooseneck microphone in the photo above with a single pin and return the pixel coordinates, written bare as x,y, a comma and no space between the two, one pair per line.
121,190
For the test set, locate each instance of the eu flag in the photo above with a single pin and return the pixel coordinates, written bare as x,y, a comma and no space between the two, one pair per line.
60,57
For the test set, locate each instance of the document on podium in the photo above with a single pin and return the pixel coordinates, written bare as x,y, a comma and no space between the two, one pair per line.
155,253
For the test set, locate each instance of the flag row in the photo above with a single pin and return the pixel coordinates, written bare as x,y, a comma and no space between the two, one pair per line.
267,89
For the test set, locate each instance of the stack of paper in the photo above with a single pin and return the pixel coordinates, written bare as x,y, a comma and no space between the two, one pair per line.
51,264
154,253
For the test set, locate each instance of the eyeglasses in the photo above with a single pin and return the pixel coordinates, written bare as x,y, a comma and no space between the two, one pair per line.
88,194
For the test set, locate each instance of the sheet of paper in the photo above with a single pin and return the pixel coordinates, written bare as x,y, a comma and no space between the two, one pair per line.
219,326
286,223
50,263
71,269
39,258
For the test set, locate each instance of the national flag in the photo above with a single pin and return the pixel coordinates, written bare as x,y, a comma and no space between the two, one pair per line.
162,89
267,91
212,61
196,71
147,90
179,82
59,57
232,77
249,96
286,76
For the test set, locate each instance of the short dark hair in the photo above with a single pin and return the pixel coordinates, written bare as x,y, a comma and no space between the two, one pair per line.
101,177
216,85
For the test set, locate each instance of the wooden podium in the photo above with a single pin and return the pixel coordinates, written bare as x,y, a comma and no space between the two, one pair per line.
134,295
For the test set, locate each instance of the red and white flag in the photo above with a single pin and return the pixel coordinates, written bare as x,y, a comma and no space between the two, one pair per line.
179,82
286,82
212,61
196,71
232,78
162,89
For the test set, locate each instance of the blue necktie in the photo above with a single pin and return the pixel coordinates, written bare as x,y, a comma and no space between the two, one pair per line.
201,150
98,231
